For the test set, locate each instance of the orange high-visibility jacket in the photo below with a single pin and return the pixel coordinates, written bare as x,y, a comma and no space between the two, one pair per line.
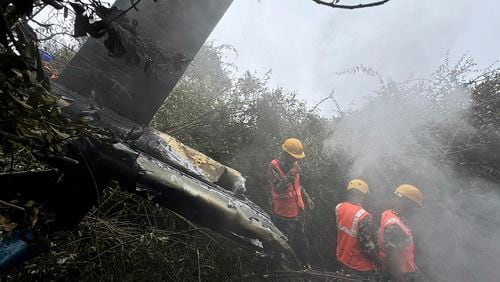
289,203
405,256
348,217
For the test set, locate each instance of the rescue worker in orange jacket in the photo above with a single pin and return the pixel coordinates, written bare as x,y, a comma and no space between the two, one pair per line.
395,238
356,249
288,196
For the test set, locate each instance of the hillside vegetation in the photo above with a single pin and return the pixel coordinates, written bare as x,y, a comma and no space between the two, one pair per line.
440,133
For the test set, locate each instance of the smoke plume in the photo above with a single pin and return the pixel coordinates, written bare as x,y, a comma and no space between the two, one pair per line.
411,132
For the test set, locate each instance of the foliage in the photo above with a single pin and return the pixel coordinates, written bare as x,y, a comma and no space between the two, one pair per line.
27,215
128,238
485,111
32,129
30,118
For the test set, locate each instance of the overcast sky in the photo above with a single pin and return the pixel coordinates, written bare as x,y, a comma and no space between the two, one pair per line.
306,44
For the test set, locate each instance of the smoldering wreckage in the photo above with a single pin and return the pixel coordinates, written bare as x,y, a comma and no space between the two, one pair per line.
141,159
119,100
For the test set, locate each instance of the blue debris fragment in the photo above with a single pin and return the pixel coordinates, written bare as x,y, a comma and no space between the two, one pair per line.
18,248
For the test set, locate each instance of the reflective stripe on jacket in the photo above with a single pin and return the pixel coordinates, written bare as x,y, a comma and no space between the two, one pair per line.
288,203
348,216
405,255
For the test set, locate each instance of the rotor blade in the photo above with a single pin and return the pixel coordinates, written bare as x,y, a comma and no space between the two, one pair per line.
175,28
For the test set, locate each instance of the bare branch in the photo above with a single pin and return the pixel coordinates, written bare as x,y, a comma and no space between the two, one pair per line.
53,35
334,4
132,6
323,100
41,24
11,205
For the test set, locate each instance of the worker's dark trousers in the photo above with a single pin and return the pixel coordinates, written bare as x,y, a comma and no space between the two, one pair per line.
294,229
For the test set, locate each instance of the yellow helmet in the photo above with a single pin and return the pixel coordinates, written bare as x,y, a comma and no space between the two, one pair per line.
294,147
359,185
411,192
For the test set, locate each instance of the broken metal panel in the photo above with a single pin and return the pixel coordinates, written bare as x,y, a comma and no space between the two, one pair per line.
211,206
168,149
212,169
175,26
152,163
152,142
233,180
187,157
111,95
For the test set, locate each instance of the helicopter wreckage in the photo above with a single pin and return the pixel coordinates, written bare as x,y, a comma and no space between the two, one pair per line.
122,98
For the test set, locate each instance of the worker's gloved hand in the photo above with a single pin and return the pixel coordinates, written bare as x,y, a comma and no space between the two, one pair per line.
295,170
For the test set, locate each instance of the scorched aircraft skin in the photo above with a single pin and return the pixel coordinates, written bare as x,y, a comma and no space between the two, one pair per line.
121,99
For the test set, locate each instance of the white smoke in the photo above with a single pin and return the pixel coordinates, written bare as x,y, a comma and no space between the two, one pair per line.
407,133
